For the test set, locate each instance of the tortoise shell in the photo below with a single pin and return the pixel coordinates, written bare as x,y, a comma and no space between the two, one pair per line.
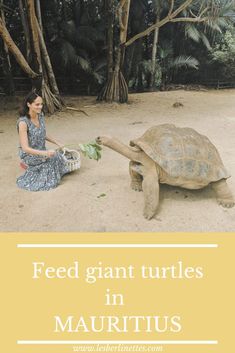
182,153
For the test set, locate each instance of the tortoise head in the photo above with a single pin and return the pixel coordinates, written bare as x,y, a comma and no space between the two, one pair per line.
103,140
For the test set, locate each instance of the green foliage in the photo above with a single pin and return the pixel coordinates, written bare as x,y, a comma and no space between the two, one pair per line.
170,64
183,61
166,65
145,69
75,32
223,53
196,35
76,39
91,150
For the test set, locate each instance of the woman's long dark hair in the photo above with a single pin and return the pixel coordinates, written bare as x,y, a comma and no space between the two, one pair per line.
30,98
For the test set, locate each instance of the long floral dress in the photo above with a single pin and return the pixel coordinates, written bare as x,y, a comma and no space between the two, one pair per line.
42,173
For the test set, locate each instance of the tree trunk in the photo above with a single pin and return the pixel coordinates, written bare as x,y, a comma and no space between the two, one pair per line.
35,47
26,30
50,89
154,53
125,18
6,63
116,89
34,34
47,61
38,12
109,9
129,63
15,51
45,80
47,85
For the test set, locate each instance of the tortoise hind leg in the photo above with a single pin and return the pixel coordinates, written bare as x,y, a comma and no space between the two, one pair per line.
223,194
151,194
136,177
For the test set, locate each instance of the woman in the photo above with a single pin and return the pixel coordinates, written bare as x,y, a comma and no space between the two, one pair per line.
44,168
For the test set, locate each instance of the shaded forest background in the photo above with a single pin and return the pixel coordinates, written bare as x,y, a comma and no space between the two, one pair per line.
111,47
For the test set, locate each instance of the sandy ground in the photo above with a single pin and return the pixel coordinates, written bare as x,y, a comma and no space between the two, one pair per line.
98,198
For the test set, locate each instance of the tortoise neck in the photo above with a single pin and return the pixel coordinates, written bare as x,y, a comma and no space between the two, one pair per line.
124,150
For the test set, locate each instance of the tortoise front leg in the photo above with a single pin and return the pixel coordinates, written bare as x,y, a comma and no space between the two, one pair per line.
136,178
223,194
151,194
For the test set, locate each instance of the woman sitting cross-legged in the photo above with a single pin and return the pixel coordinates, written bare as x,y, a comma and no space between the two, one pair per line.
44,168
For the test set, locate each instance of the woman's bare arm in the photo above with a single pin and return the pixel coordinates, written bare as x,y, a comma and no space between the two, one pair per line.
52,140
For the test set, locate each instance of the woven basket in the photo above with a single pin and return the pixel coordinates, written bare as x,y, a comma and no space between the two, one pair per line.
72,159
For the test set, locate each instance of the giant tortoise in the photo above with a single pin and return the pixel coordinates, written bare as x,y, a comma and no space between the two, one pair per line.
167,154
